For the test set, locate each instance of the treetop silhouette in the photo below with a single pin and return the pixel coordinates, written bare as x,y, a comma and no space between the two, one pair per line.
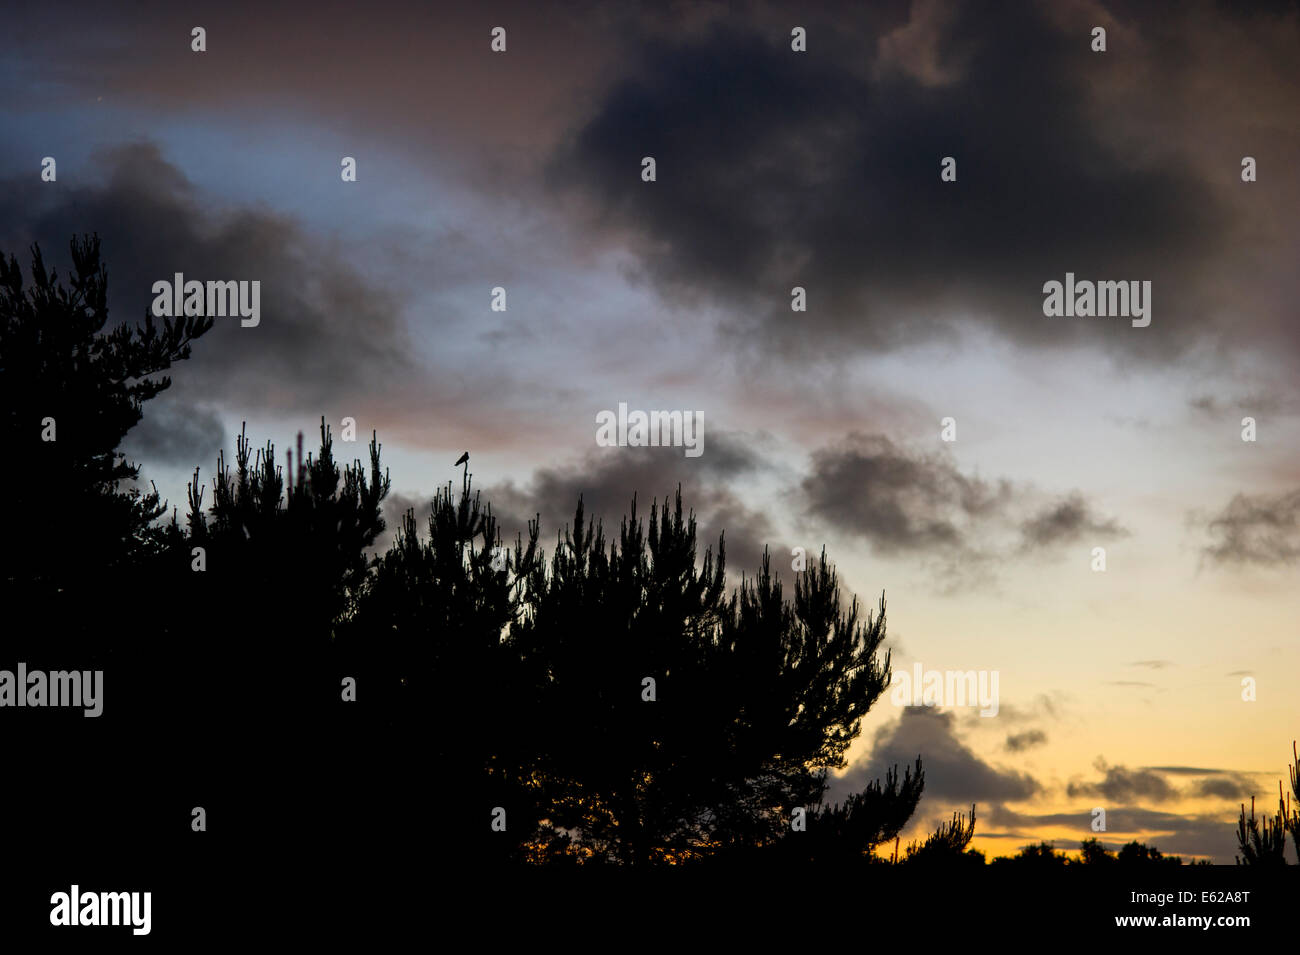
70,392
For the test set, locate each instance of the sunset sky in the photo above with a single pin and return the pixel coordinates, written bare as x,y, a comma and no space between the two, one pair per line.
775,168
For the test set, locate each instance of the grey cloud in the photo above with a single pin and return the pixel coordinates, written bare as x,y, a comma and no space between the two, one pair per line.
897,500
1219,783
326,336
906,502
1203,834
176,432
757,192
953,773
1120,784
1256,530
1019,742
1065,522
1226,787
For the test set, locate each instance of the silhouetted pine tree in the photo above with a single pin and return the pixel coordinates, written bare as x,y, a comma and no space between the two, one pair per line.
1292,811
752,696
522,685
248,641
613,701
947,844
1263,841
70,391
450,702
78,536
849,831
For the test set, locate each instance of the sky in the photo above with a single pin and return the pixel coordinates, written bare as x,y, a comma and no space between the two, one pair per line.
818,168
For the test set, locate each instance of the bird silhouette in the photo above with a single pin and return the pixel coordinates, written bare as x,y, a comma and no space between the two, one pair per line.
464,459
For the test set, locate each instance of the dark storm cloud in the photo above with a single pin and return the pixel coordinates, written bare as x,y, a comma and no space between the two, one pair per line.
778,169
902,501
1258,529
1066,522
326,333
953,773
1019,742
